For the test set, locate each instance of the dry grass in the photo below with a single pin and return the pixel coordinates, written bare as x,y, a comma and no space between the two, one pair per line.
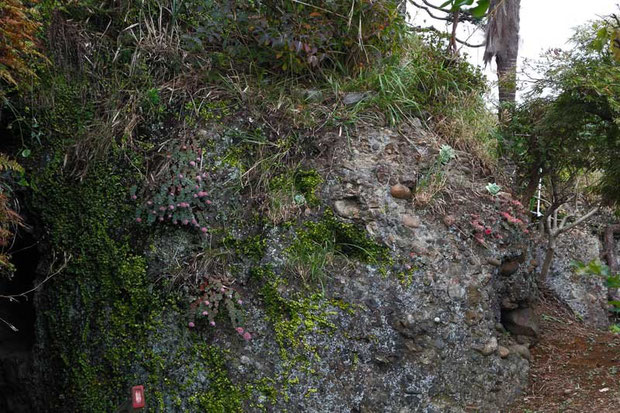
468,127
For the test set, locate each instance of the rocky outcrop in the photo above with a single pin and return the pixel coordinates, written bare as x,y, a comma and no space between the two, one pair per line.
586,295
520,322
426,341
398,309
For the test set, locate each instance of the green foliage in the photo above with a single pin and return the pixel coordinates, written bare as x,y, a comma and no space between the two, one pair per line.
347,239
594,267
221,396
291,192
213,296
103,313
293,317
434,178
291,36
493,188
478,10
597,268
575,130
446,154
299,182
317,244
419,78
252,247
103,278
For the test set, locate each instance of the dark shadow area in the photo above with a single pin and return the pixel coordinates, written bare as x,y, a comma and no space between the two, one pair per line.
17,340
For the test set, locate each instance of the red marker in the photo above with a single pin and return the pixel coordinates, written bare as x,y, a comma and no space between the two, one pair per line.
137,397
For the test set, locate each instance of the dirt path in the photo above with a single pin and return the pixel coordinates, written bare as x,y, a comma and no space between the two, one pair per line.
574,368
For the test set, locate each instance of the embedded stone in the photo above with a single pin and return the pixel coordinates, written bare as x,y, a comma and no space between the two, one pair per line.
449,220
411,221
521,350
354,97
489,348
456,289
400,191
509,267
347,208
521,321
472,317
503,352
508,305
494,261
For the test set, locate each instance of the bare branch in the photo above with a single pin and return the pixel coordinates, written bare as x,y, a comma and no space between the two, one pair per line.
434,30
432,6
464,14
548,221
11,326
563,223
52,274
579,221
427,10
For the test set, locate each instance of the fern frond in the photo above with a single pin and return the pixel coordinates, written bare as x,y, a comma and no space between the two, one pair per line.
7,164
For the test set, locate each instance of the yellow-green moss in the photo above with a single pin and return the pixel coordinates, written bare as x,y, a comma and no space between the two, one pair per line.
222,396
252,247
294,318
298,182
102,313
317,243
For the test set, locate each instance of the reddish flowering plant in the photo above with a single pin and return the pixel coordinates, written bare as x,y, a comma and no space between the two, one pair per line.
513,220
180,198
213,297
508,214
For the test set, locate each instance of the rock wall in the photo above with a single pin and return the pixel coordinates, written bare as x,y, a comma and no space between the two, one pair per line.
363,299
586,295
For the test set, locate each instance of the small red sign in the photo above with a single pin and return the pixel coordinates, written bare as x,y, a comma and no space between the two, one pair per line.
137,397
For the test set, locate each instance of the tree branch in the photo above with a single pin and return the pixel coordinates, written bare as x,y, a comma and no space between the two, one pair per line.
434,30
579,221
463,14
15,296
432,6
427,10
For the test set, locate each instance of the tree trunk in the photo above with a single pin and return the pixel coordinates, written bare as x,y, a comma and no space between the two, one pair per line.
548,258
610,254
507,84
502,42
532,185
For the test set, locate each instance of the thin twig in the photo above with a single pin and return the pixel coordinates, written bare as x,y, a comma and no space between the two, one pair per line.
14,297
432,29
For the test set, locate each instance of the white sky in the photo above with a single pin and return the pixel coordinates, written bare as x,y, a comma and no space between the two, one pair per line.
545,24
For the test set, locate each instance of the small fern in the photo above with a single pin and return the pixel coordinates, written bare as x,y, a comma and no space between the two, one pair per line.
7,164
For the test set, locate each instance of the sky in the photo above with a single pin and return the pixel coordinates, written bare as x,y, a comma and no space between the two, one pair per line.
545,24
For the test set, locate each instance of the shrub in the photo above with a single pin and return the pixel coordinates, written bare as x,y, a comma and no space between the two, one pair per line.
292,36
569,125
420,78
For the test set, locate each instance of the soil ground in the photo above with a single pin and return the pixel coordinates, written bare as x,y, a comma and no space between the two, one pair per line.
574,368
